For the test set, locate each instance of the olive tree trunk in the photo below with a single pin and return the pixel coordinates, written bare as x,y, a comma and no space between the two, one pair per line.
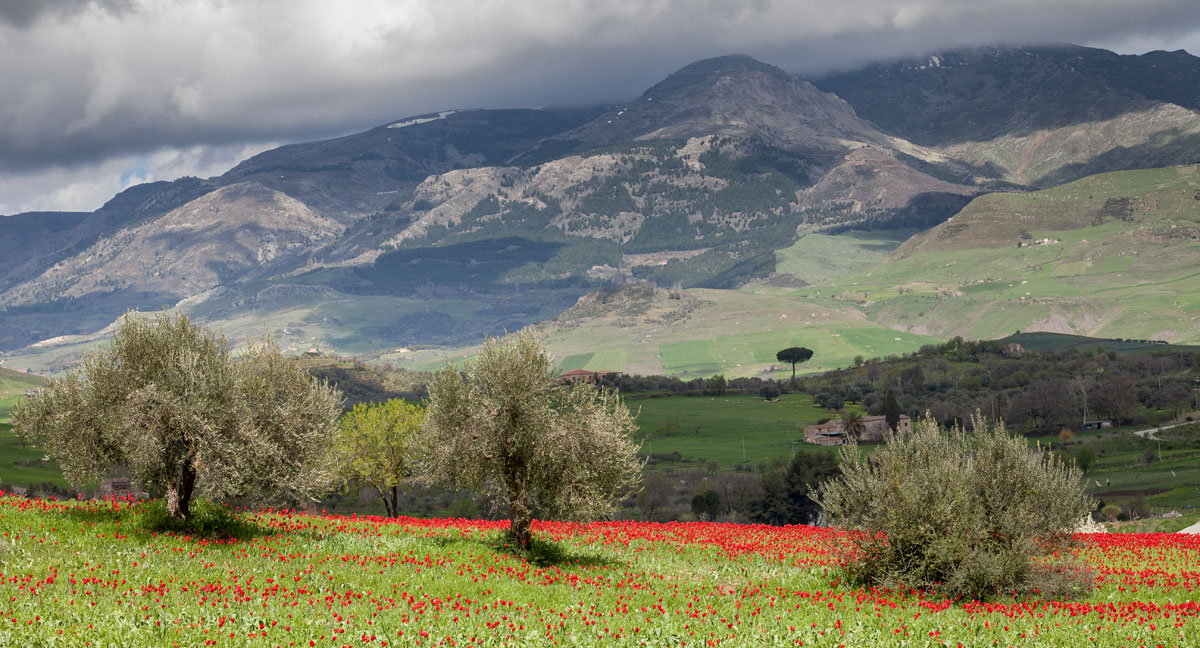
521,526
179,496
520,511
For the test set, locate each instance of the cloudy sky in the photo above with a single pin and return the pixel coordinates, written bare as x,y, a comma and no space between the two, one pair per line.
102,94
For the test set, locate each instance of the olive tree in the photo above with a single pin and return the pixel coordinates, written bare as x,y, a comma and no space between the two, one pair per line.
503,424
166,399
969,513
375,445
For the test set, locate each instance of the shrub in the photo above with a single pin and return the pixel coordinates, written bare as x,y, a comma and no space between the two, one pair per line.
970,514
707,505
786,497
769,392
1085,457
208,520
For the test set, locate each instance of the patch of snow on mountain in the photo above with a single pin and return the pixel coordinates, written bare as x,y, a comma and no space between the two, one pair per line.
421,120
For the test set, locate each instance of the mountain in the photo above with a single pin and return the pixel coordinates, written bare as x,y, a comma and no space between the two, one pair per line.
218,238
360,174
34,242
1036,115
438,228
695,182
730,95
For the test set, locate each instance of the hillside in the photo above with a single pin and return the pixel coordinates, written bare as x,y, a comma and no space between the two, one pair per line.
364,173
1112,255
981,93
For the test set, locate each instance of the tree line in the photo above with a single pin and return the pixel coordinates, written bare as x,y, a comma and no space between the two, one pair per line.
167,402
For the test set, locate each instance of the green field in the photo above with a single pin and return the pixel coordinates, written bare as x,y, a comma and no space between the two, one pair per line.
1061,342
79,574
817,258
20,465
718,428
734,333
1170,481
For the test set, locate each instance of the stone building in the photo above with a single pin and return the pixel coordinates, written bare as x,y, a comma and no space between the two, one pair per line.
833,432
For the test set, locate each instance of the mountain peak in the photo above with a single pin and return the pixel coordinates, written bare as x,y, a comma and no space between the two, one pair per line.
728,95
730,63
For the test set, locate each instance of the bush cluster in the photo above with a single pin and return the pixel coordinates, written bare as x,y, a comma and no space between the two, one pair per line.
967,513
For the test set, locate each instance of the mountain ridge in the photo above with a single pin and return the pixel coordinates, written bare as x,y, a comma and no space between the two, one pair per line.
464,222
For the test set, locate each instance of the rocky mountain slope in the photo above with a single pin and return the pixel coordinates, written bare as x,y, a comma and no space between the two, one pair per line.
229,234
1036,116
709,170
361,174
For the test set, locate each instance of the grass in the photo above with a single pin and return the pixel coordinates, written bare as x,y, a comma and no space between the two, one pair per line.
1062,342
1170,482
816,258
21,465
80,574
727,430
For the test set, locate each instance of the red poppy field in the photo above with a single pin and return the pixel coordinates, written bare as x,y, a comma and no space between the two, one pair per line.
78,574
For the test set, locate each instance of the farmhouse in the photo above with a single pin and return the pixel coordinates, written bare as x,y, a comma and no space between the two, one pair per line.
874,429
581,375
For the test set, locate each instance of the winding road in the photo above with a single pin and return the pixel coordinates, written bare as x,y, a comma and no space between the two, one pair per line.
1152,433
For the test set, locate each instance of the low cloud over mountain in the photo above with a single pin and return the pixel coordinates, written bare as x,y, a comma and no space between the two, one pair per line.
112,90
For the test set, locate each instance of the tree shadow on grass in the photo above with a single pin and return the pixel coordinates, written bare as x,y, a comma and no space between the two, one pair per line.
543,553
209,521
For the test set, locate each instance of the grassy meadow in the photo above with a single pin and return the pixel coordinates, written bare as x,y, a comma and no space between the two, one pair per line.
20,465
704,429
1121,262
734,333
94,574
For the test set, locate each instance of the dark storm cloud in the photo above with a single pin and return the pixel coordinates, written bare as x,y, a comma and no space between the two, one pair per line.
133,79
23,13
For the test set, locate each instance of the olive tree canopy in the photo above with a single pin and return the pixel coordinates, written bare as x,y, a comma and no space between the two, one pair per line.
504,424
166,399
